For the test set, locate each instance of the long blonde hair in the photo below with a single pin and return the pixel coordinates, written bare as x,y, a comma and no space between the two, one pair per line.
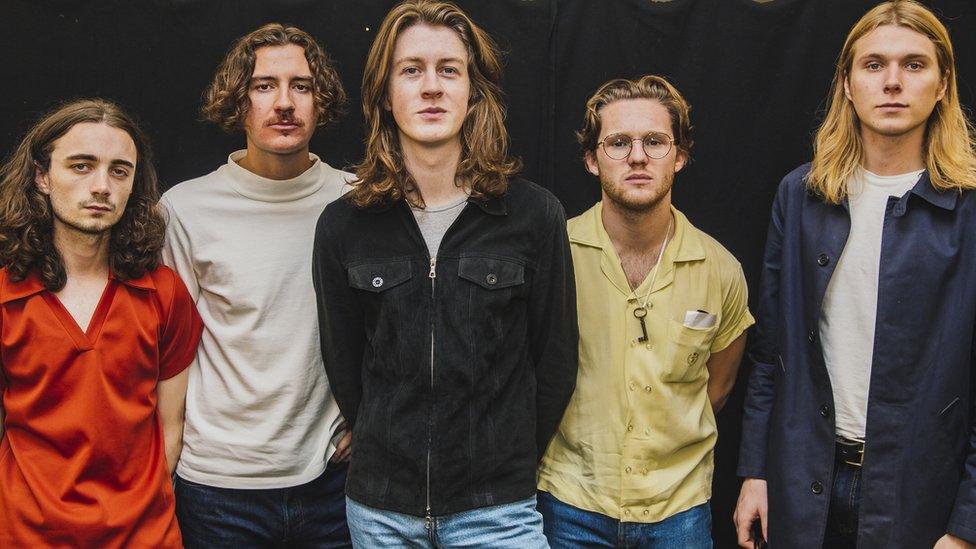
485,164
950,150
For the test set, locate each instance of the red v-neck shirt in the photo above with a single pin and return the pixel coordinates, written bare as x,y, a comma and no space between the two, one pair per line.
82,461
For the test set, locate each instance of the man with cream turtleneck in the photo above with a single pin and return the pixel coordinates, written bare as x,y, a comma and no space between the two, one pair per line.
265,446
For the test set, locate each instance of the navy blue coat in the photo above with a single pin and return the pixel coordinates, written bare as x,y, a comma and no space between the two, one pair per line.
919,460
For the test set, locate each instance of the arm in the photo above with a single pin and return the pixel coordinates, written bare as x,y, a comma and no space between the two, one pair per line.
553,329
722,369
758,408
342,335
176,252
962,521
171,401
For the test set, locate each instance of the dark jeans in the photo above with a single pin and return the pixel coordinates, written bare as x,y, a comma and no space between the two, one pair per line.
568,527
310,515
845,500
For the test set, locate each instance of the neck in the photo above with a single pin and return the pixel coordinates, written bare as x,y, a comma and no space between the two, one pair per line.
893,155
434,169
84,255
275,166
637,231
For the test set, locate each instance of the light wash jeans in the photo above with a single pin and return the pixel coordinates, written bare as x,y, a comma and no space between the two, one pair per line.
515,525
569,527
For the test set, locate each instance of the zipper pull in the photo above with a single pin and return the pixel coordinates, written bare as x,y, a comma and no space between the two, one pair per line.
433,265
427,521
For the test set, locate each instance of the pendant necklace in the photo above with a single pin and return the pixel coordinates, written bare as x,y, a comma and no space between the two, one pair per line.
641,311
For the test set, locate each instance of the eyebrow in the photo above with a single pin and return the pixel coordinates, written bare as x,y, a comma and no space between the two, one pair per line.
261,78
415,59
93,158
908,57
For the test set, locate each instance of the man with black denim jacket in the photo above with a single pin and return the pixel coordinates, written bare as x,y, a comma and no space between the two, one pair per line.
446,299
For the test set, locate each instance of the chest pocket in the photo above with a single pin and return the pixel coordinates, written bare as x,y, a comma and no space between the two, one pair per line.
379,277
490,273
689,351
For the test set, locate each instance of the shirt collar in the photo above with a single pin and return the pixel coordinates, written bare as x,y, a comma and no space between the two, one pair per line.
687,244
943,199
31,284
490,205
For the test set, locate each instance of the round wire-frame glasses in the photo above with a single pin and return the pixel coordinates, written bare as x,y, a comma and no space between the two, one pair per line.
655,144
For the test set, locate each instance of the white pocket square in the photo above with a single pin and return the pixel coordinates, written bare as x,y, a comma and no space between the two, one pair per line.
699,320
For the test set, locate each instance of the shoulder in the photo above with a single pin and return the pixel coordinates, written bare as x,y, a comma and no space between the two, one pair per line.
167,282
717,257
335,182
189,192
523,194
796,180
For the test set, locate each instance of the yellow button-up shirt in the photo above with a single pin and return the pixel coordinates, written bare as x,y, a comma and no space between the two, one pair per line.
636,442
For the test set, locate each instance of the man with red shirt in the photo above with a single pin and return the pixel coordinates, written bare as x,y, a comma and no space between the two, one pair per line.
95,337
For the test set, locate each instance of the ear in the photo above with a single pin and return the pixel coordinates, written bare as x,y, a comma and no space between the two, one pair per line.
41,180
847,87
589,158
386,103
680,160
943,87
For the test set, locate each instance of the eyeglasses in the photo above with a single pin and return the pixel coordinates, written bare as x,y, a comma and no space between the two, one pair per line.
618,146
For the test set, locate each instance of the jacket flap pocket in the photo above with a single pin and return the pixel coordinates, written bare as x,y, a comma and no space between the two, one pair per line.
491,273
379,277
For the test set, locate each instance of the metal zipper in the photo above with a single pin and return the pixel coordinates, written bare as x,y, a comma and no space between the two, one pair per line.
430,437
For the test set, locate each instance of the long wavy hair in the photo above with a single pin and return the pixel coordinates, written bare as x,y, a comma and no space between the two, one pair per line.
26,217
485,165
950,150
225,101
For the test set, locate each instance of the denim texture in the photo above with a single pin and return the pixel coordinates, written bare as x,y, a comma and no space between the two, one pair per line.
515,525
569,527
845,501
454,376
309,515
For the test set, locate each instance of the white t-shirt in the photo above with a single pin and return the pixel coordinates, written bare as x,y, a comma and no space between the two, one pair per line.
850,304
259,411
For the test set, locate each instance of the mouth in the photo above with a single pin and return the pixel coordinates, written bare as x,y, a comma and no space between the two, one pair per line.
432,113
638,178
285,125
98,208
892,106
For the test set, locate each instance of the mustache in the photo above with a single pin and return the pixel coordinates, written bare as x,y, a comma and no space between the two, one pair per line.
99,203
287,119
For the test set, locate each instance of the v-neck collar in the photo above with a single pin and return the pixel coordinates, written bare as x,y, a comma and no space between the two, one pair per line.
84,340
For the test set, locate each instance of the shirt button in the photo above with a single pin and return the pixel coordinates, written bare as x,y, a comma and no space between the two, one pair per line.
648,346
811,336
825,410
627,469
644,472
647,388
377,281
816,487
633,385
627,512
823,260
630,427
646,512
491,279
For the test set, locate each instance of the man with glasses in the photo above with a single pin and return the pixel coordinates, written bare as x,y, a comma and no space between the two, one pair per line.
662,313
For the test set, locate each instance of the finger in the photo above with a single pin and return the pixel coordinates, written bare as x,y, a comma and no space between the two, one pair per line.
764,518
742,531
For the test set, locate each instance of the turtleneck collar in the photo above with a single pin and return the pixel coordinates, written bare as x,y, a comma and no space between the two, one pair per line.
255,187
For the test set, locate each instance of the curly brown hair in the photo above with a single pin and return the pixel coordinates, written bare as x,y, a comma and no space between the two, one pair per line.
646,87
26,218
485,165
225,100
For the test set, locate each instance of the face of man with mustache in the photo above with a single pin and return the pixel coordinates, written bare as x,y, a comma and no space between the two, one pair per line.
281,117
90,178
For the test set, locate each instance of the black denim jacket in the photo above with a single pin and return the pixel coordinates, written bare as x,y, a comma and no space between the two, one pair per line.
453,373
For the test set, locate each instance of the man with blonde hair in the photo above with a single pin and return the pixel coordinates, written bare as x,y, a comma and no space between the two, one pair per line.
264,459
446,299
858,427
663,313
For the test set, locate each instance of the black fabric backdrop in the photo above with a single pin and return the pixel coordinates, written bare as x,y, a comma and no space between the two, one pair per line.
756,74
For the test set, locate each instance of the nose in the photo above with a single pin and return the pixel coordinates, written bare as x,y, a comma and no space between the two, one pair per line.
432,87
892,82
99,184
283,99
637,154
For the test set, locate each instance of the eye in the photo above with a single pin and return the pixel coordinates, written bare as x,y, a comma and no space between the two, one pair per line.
411,71
120,172
81,167
303,88
873,66
451,70
263,87
618,141
914,66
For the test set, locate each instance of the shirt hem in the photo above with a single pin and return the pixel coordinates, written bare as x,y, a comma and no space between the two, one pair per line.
251,483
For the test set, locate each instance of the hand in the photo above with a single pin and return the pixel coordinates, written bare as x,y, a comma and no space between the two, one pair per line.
344,446
752,504
949,541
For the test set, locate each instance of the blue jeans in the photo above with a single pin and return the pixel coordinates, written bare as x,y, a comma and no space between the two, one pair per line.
309,515
509,526
570,527
845,501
